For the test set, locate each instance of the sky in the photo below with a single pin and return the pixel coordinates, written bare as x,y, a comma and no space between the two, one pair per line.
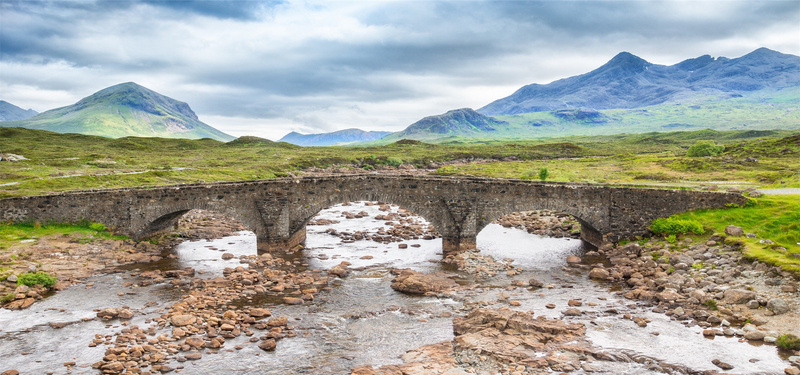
266,68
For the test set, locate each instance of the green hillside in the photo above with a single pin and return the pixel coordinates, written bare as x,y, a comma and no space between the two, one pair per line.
60,162
759,110
124,110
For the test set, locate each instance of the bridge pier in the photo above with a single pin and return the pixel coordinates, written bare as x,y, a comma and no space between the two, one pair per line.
267,244
452,245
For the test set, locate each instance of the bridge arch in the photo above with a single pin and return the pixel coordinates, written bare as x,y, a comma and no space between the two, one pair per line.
585,216
158,217
295,234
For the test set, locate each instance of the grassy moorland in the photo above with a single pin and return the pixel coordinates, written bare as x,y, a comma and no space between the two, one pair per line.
773,162
62,162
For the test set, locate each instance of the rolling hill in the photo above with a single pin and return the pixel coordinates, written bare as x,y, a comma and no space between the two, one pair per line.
463,122
127,109
10,112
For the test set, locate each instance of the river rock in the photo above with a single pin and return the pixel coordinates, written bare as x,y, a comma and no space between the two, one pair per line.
10,372
733,230
571,312
195,342
738,296
13,279
755,335
267,345
340,270
108,313
259,312
535,283
791,370
193,356
778,306
507,335
278,321
112,367
413,282
125,314
20,304
599,273
668,295
292,301
572,259
753,304
183,320
722,365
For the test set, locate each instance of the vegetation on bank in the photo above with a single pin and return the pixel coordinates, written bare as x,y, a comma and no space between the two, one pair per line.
14,234
36,278
775,220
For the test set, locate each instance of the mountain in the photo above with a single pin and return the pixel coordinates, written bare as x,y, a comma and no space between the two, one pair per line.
124,110
463,122
329,139
628,81
10,112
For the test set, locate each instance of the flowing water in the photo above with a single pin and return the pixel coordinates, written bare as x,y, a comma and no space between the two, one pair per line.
362,320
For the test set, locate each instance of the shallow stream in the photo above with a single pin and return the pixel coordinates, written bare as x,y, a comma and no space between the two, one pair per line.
362,321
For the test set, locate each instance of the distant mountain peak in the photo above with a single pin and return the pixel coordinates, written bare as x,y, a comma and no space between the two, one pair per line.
628,81
10,112
338,137
626,61
454,123
125,109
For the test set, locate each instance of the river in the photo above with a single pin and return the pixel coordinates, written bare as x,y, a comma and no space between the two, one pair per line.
361,320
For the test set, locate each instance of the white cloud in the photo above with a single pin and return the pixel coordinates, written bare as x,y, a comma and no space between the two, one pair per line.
380,65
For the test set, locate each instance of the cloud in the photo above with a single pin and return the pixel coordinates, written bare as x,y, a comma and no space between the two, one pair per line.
381,65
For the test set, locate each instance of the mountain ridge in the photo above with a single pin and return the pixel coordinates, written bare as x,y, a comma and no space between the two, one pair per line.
10,112
125,109
628,81
343,136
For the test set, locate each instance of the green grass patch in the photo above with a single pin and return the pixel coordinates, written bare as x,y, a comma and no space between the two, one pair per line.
788,342
775,218
673,226
36,278
12,234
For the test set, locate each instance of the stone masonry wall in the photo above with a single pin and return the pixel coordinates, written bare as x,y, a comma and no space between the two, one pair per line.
278,210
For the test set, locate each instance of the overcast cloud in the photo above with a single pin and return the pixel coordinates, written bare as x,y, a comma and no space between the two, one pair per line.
266,68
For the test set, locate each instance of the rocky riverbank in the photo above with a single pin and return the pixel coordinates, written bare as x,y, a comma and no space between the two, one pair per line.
496,328
711,285
73,258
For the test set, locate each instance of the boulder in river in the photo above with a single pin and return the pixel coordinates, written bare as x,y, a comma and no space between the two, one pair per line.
599,273
413,282
183,320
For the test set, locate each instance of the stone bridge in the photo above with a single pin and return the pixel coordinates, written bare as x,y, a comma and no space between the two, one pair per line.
277,210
